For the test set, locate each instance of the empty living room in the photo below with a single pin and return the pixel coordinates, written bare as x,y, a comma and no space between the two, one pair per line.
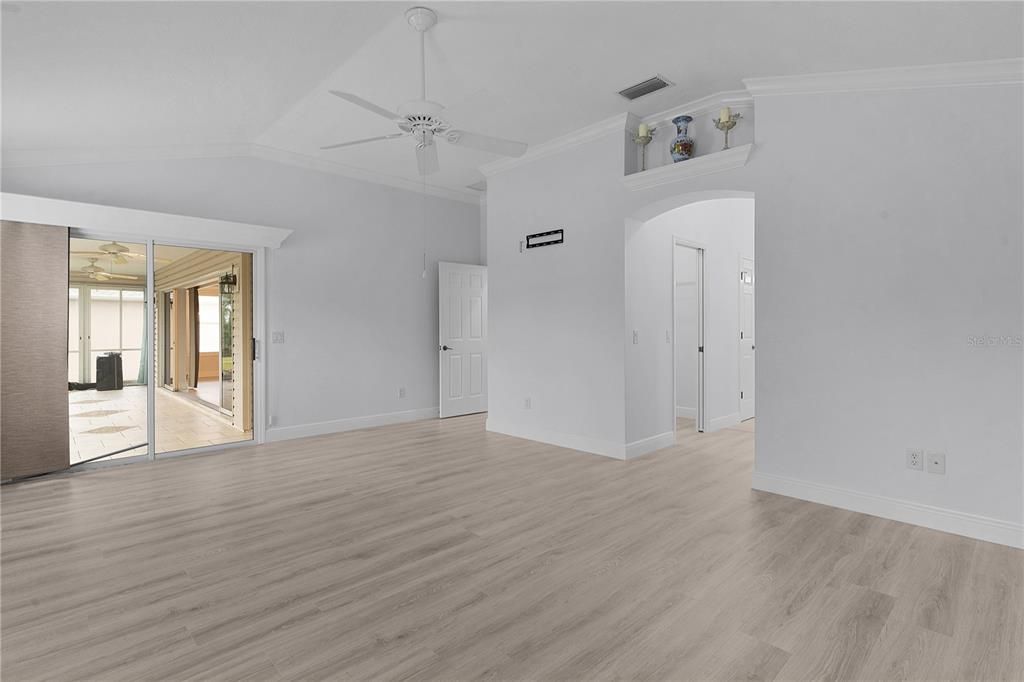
527,340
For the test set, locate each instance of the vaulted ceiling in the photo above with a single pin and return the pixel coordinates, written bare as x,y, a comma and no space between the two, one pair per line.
91,80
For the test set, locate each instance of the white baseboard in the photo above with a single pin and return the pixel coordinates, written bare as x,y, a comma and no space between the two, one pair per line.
594,446
722,422
277,433
645,445
946,520
689,412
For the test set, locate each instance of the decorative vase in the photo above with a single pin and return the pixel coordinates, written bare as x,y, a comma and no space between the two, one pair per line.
682,145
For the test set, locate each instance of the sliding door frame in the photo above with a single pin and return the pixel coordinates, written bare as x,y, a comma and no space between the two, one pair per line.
259,321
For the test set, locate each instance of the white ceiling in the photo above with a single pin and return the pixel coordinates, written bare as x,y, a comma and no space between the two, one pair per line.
114,76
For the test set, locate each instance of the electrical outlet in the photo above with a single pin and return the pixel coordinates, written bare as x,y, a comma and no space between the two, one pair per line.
277,337
401,391
915,459
527,404
936,462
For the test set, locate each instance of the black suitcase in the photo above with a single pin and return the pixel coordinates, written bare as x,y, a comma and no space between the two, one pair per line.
109,375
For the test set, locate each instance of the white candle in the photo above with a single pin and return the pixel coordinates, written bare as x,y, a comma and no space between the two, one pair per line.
725,115
643,131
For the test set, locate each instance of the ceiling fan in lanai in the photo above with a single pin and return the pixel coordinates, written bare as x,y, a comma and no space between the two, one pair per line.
424,120
93,271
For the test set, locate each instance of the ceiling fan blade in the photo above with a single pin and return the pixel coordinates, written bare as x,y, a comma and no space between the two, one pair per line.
487,143
143,257
369,106
110,275
426,159
369,139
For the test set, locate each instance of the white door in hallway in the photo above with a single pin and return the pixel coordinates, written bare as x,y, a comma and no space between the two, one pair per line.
747,343
462,342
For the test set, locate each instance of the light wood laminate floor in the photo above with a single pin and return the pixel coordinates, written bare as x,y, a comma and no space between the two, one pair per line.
434,550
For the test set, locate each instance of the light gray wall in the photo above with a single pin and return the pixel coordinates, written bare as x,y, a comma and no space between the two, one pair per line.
347,288
556,312
881,249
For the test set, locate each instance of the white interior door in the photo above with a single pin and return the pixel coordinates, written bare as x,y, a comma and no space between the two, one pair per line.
462,342
746,338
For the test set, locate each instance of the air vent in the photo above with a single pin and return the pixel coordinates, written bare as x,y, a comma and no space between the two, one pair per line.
645,88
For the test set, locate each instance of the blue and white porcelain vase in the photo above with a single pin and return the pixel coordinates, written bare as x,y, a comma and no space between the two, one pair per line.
682,145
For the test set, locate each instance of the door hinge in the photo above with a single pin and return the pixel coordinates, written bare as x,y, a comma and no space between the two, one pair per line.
255,349
700,349
741,335
741,395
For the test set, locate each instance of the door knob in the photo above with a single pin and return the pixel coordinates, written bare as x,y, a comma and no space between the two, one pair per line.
447,348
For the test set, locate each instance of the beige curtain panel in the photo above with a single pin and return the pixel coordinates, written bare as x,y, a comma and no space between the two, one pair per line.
33,349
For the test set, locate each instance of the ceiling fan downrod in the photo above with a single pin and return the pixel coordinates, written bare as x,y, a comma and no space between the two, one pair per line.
422,19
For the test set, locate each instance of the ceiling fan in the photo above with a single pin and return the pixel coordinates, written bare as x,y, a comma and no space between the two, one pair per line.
96,272
118,253
424,120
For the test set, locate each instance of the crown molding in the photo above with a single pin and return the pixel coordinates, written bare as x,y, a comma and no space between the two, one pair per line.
994,72
716,162
737,99
266,153
29,158
559,144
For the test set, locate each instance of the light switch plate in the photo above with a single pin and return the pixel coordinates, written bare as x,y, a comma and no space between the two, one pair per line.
936,462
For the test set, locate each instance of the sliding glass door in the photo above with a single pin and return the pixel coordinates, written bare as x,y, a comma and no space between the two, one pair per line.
160,348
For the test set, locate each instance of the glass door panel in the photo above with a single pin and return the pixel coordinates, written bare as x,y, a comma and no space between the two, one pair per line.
74,336
107,396
204,312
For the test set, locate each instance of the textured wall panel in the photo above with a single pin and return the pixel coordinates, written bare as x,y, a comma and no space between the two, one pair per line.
33,349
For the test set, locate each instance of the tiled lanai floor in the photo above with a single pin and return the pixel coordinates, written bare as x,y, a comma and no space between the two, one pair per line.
104,421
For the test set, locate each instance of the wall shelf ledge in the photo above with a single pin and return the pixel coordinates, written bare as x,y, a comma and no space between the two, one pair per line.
715,162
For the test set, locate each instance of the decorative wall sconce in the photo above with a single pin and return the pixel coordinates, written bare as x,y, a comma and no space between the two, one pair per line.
228,283
642,137
725,122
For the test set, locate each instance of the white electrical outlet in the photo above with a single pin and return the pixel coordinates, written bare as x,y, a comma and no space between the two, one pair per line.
527,404
401,391
936,462
277,337
915,459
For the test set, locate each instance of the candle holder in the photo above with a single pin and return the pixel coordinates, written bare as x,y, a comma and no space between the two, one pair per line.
726,126
642,141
